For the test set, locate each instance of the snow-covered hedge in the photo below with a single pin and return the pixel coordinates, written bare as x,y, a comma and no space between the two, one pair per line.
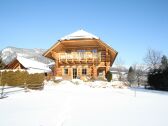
19,78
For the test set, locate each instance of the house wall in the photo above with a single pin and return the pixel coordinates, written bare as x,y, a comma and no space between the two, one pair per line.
92,71
89,54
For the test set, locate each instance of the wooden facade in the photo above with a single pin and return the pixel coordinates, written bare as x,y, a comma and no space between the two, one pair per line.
75,58
15,64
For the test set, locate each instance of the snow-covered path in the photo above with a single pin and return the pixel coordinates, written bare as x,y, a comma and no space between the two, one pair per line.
71,105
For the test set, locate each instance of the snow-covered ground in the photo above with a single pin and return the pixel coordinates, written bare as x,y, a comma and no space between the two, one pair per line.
66,104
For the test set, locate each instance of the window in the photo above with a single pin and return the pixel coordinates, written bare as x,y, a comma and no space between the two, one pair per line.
65,71
101,72
94,50
81,50
84,71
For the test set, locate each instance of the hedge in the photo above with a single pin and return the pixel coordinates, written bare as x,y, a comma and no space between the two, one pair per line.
19,78
35,81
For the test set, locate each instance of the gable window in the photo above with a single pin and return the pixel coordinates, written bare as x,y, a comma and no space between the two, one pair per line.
84,71
65,71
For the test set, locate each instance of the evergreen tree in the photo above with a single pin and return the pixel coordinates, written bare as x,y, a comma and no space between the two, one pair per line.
109,76
158,79
131,75
2,65
164,62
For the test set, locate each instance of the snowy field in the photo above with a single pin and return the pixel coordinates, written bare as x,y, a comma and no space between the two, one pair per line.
66,104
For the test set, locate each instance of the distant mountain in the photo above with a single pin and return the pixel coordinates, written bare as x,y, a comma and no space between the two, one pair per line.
10,53
119,68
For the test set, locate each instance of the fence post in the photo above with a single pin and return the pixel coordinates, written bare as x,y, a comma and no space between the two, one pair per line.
25,87
2,92
135,92
2,86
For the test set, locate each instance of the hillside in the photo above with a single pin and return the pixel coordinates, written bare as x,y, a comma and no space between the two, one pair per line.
9,53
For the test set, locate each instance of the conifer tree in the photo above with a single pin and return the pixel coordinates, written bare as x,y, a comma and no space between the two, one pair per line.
131,75
164,62
2,65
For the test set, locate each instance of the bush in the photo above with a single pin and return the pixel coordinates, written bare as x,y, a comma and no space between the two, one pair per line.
109,76
158,79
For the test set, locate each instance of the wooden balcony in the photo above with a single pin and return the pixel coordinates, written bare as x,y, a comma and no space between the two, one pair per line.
80,57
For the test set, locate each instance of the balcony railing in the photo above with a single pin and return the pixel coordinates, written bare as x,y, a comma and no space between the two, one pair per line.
80,56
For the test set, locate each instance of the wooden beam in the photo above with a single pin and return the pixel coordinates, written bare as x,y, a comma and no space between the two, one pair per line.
79,40
80,47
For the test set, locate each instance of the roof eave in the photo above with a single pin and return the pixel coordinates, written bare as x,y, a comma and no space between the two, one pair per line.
114,58
50,49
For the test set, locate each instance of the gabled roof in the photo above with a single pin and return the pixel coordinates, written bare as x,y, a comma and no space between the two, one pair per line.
29,64
81,37
78,35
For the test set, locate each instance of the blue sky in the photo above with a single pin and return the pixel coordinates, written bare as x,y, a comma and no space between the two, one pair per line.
129,26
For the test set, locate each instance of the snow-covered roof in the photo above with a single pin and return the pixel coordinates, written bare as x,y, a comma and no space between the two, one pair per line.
51,64
79,35
31,64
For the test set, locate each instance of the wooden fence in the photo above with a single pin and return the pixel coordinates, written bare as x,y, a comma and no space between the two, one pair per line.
4,91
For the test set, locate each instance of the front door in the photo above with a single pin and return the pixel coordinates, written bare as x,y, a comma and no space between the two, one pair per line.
74,73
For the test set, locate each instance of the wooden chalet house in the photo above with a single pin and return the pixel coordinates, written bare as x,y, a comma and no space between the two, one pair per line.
81,54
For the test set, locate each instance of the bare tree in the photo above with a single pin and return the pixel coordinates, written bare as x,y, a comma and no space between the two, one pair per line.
140,72
153,58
